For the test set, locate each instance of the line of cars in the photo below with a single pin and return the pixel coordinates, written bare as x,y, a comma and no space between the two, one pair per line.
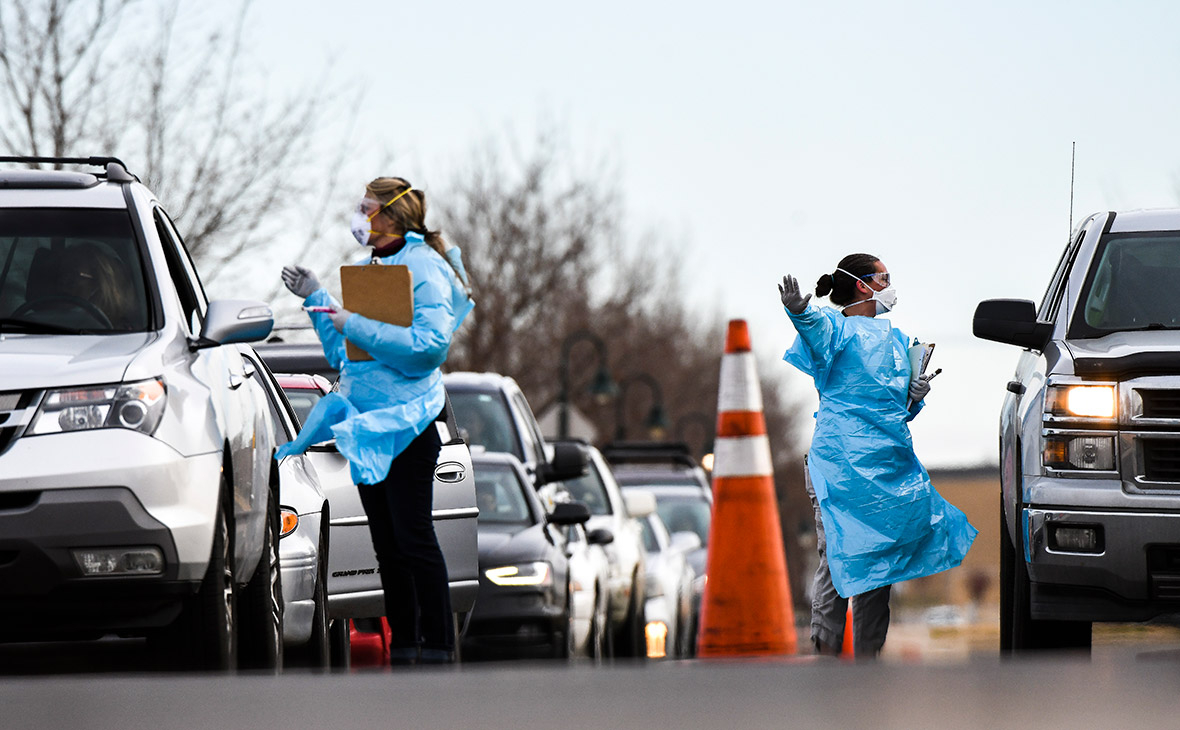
169,517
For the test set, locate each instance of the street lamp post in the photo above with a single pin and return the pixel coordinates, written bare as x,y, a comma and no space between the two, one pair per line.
656,422
602,388
708,427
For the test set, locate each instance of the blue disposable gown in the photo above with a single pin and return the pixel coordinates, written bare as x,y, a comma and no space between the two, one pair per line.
884,521
384,403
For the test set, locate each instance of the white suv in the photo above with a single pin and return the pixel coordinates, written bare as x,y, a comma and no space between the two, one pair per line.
138,493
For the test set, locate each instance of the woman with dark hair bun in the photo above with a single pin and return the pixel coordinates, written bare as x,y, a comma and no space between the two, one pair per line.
878,518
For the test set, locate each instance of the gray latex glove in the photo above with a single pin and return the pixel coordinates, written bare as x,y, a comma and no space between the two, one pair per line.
338,318
792,298
302,282
919,388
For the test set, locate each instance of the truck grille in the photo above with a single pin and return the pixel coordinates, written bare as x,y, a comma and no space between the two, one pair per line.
1160,403
1161,460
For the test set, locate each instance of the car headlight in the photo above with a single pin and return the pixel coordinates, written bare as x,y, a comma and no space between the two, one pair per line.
525,574
1078,451
137,406
1080,401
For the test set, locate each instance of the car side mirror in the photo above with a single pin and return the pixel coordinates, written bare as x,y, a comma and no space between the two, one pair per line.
1012,322
568,462
601,536
686,541
569,513
640,502
234,320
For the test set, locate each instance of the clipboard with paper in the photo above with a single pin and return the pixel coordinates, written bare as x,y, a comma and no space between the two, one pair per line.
919,354
377,291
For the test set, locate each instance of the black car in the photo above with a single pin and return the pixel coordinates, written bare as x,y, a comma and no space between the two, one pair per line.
524,606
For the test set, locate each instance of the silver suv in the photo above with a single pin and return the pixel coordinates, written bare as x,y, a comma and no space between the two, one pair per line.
1090,436
138,493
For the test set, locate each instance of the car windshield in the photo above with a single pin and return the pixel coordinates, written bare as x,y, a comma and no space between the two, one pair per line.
487,420
1132,285
590,491
499,494
685,514
303,400
70,270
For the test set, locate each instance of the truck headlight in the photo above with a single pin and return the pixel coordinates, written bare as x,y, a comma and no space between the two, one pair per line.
1066,451
137,406
1082,401
526,574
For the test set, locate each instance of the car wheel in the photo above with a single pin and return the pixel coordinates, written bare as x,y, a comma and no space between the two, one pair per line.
316,653
631,641
262,614
205,636
563,639
339,644
1026,633
599,633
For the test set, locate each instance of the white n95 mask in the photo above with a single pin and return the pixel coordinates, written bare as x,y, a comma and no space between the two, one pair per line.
886,299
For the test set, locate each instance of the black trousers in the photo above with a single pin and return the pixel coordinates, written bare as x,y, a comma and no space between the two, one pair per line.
413,571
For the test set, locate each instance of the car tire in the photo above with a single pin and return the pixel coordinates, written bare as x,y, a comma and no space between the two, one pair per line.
262,602
599,630
205,636
1024,633
339,644
631,641
316,653
562,646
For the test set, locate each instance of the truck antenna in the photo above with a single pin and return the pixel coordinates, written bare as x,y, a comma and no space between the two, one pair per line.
1073,153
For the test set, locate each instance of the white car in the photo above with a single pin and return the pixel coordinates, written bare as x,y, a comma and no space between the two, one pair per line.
303,539
670,577
138,489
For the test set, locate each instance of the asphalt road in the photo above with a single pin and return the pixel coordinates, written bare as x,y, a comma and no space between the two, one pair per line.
1120,686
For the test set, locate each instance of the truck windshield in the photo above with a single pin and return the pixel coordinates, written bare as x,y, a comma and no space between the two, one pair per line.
1132,285
70,270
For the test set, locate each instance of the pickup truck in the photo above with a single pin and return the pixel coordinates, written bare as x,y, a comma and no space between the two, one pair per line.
1090,436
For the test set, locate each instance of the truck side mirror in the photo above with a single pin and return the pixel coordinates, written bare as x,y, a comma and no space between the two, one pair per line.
1012,322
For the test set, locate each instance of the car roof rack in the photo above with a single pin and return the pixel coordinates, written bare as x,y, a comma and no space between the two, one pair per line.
650,452
114,168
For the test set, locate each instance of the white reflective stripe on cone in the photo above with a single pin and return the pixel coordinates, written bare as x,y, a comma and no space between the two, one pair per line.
742,456
740,389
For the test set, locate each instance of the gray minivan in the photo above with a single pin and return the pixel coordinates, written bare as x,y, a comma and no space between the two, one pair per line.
138,493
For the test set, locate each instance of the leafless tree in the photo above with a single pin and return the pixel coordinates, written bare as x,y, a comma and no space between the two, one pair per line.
548,258
181,102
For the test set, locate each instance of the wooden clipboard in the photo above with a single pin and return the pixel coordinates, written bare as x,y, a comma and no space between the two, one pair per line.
380,292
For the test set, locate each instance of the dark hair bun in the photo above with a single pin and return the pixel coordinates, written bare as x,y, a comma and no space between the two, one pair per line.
823,287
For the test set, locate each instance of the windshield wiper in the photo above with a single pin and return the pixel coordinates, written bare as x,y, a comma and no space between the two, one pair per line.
38,328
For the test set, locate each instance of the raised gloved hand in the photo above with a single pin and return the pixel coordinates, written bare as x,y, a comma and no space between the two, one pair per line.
302,282
338,318
919,388
792,298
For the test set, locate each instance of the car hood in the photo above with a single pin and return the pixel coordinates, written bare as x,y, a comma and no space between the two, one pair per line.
50,361
503,544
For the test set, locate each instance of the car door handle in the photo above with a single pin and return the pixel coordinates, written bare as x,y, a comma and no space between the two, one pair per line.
450,472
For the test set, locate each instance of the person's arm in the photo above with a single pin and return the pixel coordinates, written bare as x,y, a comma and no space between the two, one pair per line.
332,341
420,348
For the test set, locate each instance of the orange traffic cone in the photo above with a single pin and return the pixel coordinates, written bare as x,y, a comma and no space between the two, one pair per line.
747,603
847,649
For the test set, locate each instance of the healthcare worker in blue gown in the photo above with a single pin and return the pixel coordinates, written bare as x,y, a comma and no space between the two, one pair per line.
878,519
383,414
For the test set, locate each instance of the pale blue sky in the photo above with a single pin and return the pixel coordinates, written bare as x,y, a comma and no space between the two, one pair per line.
776,137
